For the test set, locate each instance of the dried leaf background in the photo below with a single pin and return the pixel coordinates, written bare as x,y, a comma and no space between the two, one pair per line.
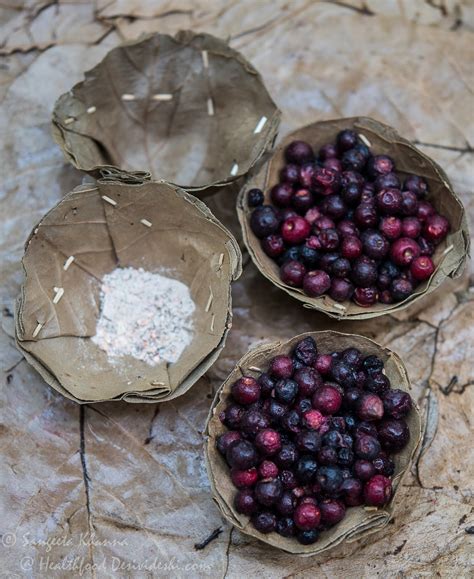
135,473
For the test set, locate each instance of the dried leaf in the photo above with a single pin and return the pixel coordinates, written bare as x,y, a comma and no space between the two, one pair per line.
189,109
450,256
46,24
358,522
94,229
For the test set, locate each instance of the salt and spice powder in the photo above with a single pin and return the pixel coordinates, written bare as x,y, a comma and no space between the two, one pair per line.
145,315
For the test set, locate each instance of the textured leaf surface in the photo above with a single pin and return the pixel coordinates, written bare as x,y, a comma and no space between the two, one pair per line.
135,473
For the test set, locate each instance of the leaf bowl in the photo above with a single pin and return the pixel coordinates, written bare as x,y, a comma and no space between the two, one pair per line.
188,109
450,255
359,522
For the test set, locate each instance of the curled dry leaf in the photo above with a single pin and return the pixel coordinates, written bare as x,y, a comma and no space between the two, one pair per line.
121,221
359,521
188,109
450,256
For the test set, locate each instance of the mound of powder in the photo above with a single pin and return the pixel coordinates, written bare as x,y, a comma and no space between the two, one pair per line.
144,315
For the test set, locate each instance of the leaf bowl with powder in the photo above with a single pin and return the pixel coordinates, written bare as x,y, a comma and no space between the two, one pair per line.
126,292
188,109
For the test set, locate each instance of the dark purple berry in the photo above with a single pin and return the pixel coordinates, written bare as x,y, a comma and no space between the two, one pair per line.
394,434
306,468
379,165
287,456
341,267
308,379
285,527
346,139
286,390
353,160
264,221
351,490
299,152
308,440
267,492
367,447
316,283
253,421
241,455
389,201
255,197
302,200
245,502
365,215
364,469
330,478
332,511
416,185
265,522
226,439
397,403
290,173
383,465
387,181
401,289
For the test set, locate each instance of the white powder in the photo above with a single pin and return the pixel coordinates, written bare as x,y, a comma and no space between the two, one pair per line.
144,315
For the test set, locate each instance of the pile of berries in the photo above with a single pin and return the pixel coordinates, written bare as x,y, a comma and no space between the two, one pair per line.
342,224
312,436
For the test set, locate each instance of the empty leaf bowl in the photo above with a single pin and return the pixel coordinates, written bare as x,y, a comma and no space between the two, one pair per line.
122,221
188,109
449,256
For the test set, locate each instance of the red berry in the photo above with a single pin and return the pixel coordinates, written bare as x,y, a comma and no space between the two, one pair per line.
323,363
313,419
377,491
295,230
411,227
391,227
326,181
404,251
307,516
268,441
327,400
246,390
281,367
312,215
436,228
244,478
370,407
267,469
366,296
422,267
351,247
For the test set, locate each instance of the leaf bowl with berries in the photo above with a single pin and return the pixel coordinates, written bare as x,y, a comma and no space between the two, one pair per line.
352,219
308,440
